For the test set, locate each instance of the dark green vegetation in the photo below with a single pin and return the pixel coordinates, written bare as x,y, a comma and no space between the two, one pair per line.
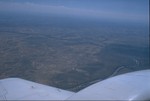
68,53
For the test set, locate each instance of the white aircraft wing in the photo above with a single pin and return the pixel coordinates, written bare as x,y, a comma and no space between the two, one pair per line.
133,86
129,86
19,89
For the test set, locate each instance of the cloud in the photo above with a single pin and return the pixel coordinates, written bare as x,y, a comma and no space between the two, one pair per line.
62,10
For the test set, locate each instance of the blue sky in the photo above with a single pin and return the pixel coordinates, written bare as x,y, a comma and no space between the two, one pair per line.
135,10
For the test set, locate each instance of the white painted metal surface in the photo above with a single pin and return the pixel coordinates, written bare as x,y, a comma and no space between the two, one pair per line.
19,89
130,86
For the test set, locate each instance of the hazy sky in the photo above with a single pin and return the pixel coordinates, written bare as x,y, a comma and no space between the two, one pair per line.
135,10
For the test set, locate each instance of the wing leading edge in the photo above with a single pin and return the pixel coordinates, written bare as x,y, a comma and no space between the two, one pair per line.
129,87
19,89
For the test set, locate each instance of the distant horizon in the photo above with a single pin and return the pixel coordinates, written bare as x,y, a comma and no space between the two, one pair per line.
123,10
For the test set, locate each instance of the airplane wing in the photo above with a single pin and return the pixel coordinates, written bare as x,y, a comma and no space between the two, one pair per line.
133,86
129,86
19,89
